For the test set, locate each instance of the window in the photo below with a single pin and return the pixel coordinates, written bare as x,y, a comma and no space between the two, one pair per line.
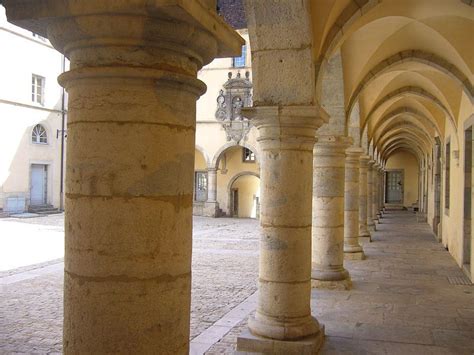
248,156
37,89
200,186
239,62
448,165
39,135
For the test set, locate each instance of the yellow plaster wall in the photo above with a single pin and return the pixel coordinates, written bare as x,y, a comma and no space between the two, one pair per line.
227,171
407,162
248,188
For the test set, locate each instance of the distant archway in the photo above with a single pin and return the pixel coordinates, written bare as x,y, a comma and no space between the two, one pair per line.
244,195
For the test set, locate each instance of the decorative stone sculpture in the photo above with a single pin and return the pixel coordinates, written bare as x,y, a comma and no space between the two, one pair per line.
237,94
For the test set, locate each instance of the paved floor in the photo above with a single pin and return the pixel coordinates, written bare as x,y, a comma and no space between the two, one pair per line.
401,302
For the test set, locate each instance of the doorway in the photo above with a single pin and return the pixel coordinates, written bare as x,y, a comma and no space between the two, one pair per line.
394,187
235,202
39,183
467,198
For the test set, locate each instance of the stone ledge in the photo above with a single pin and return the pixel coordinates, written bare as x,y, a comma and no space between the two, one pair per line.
247,343
354,256
340,285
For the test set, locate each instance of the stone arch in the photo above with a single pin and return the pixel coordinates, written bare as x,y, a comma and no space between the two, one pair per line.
231,183
217,155
204,154
419,56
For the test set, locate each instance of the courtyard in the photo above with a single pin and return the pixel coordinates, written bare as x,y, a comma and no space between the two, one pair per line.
408,296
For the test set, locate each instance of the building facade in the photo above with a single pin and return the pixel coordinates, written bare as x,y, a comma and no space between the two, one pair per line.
32,116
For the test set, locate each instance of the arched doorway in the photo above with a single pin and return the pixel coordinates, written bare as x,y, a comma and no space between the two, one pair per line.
244,196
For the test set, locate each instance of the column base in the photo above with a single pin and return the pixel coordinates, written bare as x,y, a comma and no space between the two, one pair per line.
354,255
247,343
339,285
210,209
371,227
366,238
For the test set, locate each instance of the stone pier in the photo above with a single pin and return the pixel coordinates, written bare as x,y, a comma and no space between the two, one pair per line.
364,233
352,248
132,90
370,196
211,206
283,320
328,214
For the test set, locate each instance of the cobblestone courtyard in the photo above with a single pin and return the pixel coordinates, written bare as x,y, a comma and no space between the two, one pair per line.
402,301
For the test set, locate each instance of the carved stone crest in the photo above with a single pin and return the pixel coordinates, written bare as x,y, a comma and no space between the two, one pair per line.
237,93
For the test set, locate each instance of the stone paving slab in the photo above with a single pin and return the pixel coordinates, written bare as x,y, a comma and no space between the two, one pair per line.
401,301
225,268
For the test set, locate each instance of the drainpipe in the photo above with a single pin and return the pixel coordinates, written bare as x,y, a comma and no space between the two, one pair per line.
63,122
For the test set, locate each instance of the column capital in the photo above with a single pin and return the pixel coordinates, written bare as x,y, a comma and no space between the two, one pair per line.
289,127
39,15
364,160
354,152
329,144
371,163
212,170
166,41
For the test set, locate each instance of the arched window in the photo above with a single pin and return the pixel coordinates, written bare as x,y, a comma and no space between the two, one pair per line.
39,135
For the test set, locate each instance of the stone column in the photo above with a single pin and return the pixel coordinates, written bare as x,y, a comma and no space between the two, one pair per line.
381,191
286,136
375,196
211,206
328,214
370,196
352,249
364,233
129,178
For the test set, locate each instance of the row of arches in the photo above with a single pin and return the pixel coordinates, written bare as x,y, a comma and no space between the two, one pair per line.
229,184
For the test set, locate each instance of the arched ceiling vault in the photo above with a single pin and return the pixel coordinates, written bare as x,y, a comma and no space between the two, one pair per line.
408,145
409,126
403,61
429,59
404,116
417,139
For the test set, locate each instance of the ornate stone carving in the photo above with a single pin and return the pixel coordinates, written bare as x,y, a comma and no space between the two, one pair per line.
237,94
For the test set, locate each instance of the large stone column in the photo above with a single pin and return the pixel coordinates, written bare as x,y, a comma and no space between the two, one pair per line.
328,214
364,233
211,206
352,249
131,139
286,136
370,196
381,191
375,196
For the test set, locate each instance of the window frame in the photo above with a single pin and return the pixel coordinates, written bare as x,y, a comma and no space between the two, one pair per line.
37,139
38,84
251,155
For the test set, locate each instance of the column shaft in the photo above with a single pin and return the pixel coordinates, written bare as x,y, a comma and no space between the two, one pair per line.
212,185
129,177
370,196
286,138
328,213
352,248
363,172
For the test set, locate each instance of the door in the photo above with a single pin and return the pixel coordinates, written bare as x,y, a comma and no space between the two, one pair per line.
39,176
235,202
395,186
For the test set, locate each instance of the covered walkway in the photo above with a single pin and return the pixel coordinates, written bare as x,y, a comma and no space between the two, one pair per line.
406,298
403,299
